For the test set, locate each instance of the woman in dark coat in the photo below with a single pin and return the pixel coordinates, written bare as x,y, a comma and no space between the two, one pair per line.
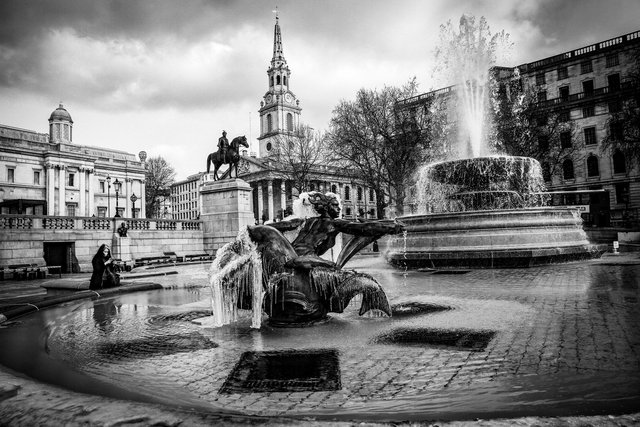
103,275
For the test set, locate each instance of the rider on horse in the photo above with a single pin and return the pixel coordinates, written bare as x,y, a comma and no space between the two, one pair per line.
223,146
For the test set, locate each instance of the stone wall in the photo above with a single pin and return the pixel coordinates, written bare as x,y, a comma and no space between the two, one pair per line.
23,238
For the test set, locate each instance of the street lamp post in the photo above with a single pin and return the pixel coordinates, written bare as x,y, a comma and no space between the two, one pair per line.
133,199
108,196
116,185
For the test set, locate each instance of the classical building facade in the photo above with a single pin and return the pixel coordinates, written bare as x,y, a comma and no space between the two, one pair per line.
584,87
49,174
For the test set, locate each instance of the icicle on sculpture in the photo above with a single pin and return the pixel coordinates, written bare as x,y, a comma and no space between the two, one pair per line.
289,281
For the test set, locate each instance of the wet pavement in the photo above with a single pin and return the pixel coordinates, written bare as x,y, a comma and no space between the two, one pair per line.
552,341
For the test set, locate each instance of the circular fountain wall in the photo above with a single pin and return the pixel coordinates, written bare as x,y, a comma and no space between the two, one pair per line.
487,212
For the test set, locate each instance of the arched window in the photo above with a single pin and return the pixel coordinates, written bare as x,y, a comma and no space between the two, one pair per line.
619,164
289,121
312,187
269,123
334,189
271,82
567,169
278,79
347,192
284,80
359,194
592,166
371,194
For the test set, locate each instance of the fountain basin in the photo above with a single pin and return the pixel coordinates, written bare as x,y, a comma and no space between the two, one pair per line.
492,239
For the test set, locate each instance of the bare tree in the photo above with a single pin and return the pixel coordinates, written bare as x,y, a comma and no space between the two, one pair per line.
159,176
524,125
296,155
381,141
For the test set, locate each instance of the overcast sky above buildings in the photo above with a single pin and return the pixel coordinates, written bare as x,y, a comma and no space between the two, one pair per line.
168,76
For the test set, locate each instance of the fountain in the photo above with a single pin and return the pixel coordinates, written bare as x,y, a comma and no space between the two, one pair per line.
289,281
483,210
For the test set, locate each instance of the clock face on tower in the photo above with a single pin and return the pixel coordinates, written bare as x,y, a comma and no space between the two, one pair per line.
288,97
268,99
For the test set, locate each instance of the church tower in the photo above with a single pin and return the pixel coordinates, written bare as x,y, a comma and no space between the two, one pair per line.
279,109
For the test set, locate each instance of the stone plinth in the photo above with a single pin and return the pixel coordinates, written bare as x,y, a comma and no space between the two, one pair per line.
226,209
121,248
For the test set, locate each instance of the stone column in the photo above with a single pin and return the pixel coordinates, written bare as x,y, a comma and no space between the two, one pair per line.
51,189
260,202
62,195
92,196
270,200
82,176
283,196
143,201
226,209
127,197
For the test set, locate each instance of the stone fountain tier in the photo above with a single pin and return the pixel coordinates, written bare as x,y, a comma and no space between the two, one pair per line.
491,239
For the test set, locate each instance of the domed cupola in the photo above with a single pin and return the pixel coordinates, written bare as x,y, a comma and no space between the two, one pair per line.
60,126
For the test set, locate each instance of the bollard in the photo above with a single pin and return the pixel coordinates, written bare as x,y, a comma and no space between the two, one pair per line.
615,246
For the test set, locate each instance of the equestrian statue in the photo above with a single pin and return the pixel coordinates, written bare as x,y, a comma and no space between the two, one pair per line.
228,153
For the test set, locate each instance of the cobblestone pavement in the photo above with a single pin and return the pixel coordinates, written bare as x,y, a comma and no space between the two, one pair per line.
565,343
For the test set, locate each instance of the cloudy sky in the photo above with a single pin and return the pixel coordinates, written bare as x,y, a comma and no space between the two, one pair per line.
167,76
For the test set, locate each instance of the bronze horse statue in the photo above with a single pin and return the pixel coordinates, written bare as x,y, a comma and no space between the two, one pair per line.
232,157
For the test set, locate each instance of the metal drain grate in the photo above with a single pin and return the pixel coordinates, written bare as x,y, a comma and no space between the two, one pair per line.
155,346
186,316
416,308
284,371
459,339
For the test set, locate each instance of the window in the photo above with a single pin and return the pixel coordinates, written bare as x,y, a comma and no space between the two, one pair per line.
271,81
586,67
587,87
371,195
546,171
347,192
590,136
563,92
617,131
588,111
284,80
615,106
540,79
619,163
348,212
278,80
622,192
592,166
612,60
563,73
567,169
11,172
289,121
334,189
102,212
71,180
269,123
565,139
36,177
269,146
312,187
102,187
71,209
542,96
564,116
614,82
359,194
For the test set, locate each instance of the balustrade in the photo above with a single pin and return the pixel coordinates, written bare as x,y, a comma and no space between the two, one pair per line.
58,223
16,222
36,222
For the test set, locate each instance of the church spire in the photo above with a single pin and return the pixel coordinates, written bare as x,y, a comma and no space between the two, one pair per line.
278,54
